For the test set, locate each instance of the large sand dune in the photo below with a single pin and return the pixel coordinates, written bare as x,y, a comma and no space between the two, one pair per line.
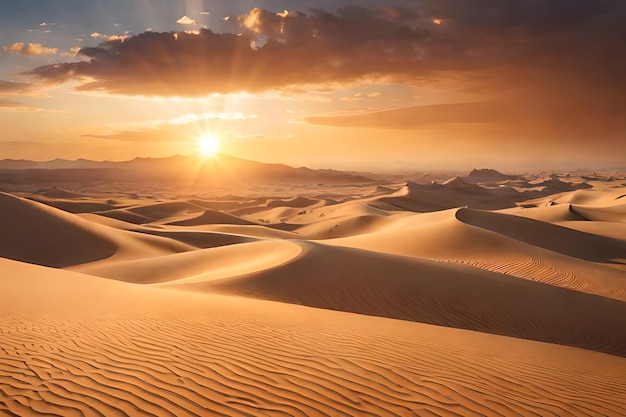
102,347
36,233
473,296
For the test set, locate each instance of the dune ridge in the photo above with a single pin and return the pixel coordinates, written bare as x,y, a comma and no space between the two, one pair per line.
430,292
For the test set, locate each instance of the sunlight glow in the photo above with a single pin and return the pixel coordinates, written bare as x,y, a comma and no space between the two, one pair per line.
208,146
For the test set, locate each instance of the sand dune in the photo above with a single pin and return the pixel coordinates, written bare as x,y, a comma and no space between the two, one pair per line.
164,210
102,347
602,197
125,216
547,236
60,193
549,213
296,202
76,206
316,300
616,213
453,193
211,217
196,238
256,231
442,236
611,230
335,227
352,280
210,264
36,233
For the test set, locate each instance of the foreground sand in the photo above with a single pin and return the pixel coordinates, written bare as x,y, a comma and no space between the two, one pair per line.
324,304
104,347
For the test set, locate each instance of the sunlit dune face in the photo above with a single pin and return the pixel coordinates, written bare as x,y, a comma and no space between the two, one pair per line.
208,146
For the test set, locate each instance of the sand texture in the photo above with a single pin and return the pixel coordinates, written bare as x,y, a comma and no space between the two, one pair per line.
487,294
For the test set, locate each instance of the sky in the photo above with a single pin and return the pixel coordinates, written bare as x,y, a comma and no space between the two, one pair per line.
363,85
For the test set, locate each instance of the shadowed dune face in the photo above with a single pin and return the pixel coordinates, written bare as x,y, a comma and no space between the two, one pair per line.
610,214
316,300
346,279
555,238
35,233
211,217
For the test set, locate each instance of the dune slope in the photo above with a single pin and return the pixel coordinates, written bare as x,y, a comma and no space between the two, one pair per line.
36,233
548,236
499,246
33,232
347,279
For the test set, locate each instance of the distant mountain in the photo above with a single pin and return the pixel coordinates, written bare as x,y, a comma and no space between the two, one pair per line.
222,170
477,176
53,164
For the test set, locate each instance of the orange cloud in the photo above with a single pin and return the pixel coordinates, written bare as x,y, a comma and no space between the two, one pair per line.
29,49
72,52
15,88
419,116
14,105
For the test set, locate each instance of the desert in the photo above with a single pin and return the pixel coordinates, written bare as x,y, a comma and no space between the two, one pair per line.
358,298
312,208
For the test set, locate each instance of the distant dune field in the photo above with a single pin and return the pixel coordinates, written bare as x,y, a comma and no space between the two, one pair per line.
487,294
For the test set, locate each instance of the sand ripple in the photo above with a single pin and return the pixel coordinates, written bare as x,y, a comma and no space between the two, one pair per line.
202,365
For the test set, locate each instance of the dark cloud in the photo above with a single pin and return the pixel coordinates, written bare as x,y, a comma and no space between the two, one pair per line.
532,122
557,51
270,52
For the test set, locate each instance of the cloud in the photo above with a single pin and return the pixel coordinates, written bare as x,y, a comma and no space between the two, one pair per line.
14,105
418,116
72,52
194,117
15,88
9,103
482,122
97,35
136,136
187,21
28,49
562,53
318,47
179,129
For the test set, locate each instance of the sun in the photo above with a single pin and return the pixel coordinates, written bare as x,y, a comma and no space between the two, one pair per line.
208,146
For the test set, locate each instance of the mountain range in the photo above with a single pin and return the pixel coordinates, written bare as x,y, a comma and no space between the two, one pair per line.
222,170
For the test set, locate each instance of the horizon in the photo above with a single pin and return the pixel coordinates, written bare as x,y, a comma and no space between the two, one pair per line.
384,85
389,171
